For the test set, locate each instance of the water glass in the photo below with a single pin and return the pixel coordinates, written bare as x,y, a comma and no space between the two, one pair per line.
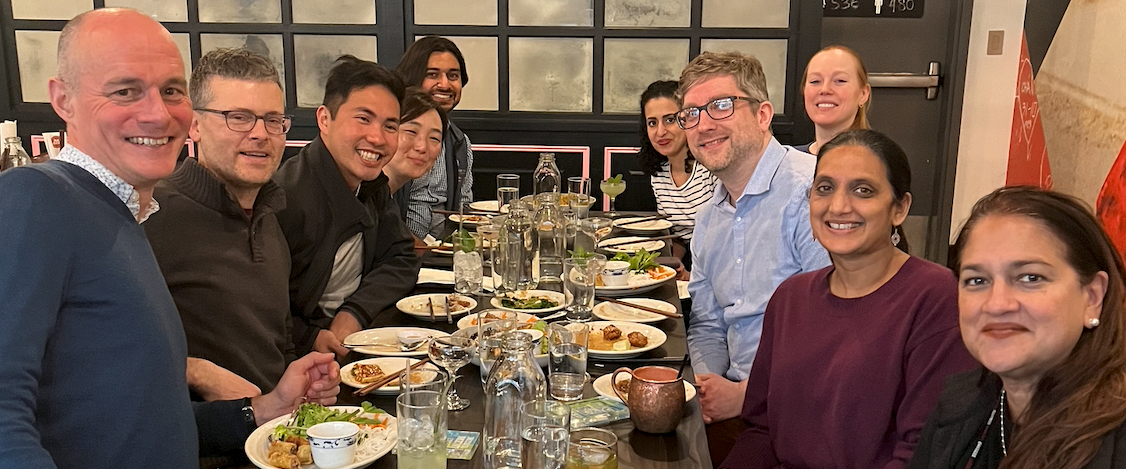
592,448
422,422
578,185
567,349
468,266
579,279
489,333
452,353
545,433
508,189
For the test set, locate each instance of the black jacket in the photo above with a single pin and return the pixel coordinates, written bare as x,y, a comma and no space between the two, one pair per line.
321,213
959,418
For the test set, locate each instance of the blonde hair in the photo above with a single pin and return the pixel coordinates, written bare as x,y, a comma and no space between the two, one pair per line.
745,69
861,120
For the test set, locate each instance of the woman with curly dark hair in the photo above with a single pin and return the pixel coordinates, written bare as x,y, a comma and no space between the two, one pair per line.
681,186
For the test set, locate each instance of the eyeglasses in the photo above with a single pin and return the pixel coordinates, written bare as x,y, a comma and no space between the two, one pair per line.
244,121
721,108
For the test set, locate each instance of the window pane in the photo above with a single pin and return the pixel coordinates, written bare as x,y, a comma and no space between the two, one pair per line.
648,13
551,74
341,12
632,64
460,12
266,45
314,56
480,94
772,54
49,10
550,13
240,11
184,44
746,14
37,52
160,10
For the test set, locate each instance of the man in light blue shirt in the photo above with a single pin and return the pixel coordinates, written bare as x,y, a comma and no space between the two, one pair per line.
752,235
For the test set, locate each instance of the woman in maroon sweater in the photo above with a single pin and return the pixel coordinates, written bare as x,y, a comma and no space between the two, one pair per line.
853,356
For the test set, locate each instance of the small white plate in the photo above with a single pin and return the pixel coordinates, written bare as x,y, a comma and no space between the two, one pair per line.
259,441
639,283
388,365
468,219
388,341
602,387
558,298
646,226
521,318
615,312
485,205
419,305
640,242
656,337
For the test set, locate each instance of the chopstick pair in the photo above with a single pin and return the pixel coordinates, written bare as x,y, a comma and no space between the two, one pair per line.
643,308
388,379
641,220
469,212
635,241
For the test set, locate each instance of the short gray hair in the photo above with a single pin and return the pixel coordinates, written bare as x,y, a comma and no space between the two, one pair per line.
237,63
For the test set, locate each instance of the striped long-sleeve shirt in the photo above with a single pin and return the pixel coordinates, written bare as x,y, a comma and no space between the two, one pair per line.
681,203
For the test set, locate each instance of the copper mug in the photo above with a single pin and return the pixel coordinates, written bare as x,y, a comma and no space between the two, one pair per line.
655,398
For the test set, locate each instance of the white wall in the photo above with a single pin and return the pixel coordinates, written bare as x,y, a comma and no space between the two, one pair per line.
987,108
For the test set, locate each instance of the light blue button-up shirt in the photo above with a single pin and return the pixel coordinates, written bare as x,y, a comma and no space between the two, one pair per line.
741,254
123,190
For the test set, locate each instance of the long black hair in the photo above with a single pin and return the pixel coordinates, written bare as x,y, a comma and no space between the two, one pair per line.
650,158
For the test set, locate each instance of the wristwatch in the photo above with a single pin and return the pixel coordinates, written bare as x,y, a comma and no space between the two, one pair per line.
248,416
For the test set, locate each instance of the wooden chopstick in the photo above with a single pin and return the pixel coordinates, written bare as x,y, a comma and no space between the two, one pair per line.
470,212
635,241
643,308
431,309
641,220
388,379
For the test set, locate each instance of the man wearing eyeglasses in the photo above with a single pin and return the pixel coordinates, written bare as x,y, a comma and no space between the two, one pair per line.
751,236
217,238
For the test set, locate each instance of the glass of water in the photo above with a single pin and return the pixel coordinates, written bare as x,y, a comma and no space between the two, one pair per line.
422,424
567,349
492,324
546,432
579,279
508,189
592,448
468,267
452,353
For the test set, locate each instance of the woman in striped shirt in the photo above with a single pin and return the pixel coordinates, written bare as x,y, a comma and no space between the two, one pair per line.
680,184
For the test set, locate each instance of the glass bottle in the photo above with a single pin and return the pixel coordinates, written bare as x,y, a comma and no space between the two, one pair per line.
13,154
517,249
551,231
547,177
515,379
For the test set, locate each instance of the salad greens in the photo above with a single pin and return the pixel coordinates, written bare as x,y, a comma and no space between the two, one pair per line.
580,253
534,302
310,414
640,262
541,325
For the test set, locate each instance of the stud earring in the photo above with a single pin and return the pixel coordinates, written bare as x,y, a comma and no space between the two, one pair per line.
1092,323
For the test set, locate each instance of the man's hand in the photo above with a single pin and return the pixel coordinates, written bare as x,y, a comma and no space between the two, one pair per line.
312,378
682,274
720,398
216,383
330,340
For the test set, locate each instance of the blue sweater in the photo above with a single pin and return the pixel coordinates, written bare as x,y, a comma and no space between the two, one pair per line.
93,352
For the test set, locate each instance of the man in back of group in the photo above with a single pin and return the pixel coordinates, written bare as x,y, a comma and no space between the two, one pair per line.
217,237
751,236
436,65
94,351
352,256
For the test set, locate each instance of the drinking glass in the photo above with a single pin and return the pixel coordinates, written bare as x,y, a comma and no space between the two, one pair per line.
422,422
592,448
452,353
612,190
489,333
508,189
490,234
545,431
577,186
579,276
567,349
597,228
468,271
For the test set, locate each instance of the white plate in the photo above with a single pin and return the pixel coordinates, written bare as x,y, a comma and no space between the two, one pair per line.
469,219
259,441
656,337
387,364
552,295
602,387
650,245
388,340
651,225
639,283
419,305
521,318
615,312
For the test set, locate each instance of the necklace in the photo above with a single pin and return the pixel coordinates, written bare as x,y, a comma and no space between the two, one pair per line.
1004,447
985,431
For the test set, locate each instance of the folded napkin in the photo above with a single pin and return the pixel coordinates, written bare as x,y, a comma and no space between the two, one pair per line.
682,289
446,277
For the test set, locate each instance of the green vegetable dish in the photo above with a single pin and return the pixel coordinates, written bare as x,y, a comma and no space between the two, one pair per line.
310,414
535,302
640,262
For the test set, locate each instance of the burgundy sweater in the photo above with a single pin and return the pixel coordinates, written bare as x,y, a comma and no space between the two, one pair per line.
849,383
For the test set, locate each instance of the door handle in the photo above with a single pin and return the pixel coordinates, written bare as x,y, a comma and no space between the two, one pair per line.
931,80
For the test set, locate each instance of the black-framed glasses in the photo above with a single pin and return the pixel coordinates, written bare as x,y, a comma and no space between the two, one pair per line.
717,109
244,121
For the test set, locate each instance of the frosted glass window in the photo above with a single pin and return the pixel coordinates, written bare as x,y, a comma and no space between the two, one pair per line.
648,13
49,10
266,45
746,14
550,13
772,54
460,12
240,11
37,52
481,63
160,10
630,65
551,74
314,57
184,44
340,12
